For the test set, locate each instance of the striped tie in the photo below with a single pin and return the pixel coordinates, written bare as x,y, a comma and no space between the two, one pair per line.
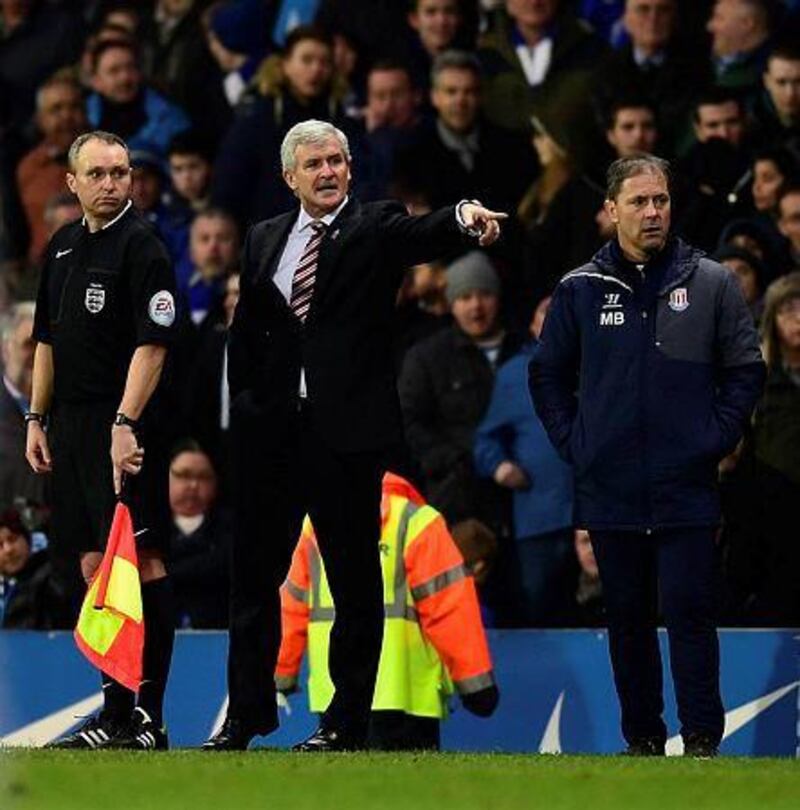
303,281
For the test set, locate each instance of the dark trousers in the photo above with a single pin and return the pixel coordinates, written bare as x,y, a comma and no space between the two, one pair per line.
280,477
398,731
548,572
679,565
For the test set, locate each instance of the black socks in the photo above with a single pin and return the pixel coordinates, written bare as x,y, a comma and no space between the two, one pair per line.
118,700
159,636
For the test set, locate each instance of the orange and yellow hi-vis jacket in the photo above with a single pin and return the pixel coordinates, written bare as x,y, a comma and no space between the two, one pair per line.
110,629
433,634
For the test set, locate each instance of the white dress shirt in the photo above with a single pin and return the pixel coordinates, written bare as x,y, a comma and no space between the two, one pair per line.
290,258
535,60
295,245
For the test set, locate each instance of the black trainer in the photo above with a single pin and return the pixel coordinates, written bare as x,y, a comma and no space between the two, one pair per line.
232,735
699,745
325,740
645,747
141,734
98,731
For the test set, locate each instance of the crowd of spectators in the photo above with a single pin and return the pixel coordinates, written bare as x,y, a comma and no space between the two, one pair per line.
521,104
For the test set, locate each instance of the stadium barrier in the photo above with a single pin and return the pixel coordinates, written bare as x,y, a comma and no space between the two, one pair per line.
557,693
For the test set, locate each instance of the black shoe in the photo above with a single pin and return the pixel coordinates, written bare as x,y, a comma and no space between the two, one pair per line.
645,747
700,745
141,734
328,739
99,731
233,735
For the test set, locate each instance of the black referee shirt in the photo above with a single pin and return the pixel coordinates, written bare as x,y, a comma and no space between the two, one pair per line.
101,295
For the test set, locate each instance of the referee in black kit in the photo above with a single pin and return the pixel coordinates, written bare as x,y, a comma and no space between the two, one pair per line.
105,314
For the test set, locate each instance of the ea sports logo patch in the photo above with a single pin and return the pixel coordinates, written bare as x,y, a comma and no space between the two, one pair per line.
678,299
162,308
95,298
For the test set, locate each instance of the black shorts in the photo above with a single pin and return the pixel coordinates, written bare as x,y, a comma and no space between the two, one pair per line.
79,437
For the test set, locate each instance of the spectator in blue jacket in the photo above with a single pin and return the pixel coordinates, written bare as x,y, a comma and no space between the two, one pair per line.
122,104
512,448
648,369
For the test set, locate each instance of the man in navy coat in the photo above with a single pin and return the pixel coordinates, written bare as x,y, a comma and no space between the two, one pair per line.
649,367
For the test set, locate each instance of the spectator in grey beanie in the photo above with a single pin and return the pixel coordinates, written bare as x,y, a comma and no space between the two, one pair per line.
473,271
445,388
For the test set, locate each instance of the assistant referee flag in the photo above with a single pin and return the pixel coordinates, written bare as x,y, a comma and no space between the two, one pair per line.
110,629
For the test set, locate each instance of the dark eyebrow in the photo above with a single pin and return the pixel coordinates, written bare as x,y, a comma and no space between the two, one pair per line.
109,168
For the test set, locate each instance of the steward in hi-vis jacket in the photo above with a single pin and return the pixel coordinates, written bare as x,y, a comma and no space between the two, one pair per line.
433,640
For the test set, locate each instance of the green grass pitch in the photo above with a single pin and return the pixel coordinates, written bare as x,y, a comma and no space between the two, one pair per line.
192,780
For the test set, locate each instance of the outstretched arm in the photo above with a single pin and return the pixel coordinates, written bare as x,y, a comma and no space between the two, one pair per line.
413,240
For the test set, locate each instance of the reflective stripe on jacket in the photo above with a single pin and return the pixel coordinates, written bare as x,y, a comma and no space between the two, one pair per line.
433,635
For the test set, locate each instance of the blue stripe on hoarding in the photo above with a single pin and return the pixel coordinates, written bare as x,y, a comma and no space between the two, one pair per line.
41,673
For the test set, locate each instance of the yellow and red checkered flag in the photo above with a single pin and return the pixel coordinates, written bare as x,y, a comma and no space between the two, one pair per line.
110,629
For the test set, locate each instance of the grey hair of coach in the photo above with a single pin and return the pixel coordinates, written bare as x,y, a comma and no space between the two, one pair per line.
96,135
620,170
310,133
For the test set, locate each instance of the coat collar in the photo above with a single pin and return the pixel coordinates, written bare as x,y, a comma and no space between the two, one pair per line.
274,239
682,260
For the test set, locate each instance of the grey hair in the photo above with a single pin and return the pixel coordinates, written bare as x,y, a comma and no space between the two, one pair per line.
19,312
620,170
96,135
308,133
456,60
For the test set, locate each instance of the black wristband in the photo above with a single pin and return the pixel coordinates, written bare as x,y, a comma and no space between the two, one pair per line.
121,419
33,416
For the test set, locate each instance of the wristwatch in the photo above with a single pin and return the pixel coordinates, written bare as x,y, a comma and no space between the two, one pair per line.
33,416
462,226
121,419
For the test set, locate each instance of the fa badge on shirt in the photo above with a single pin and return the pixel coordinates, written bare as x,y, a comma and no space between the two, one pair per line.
95,298
678,299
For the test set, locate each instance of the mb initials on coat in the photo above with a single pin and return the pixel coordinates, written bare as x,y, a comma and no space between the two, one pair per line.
613,318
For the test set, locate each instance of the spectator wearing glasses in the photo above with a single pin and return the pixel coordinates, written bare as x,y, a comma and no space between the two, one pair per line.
199,542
